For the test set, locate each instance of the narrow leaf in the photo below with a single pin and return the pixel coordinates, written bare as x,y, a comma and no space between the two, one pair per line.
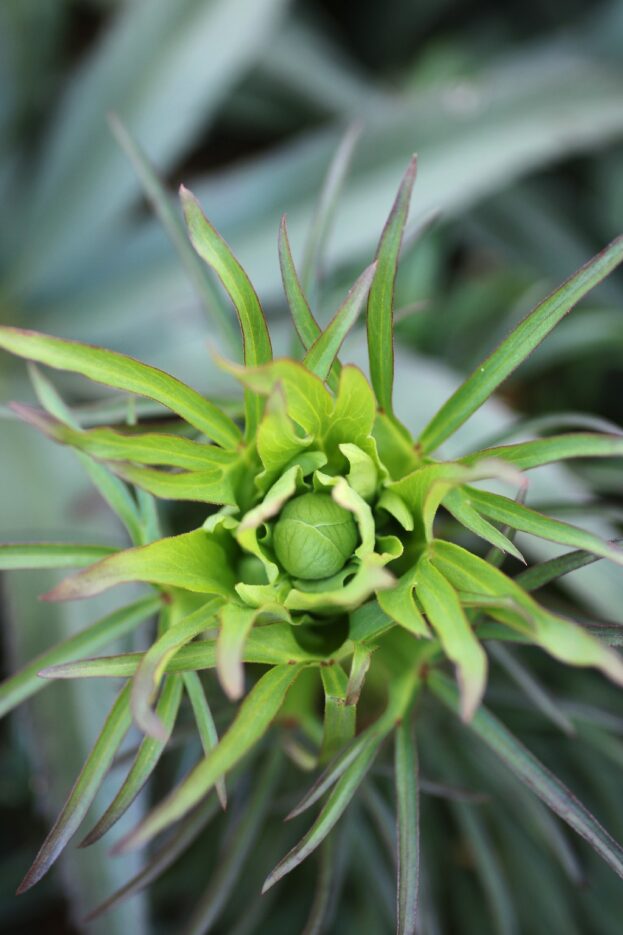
380,319
321,355
84,790
254,717
124,373
145,762
520,517
407,822
332,811
212,486
517,346
255,337
241,840
205,724
193,561
116,625
458,504
161,859
172,224
15,556
535,775
537,576
306,325
326,205
153,665
532,454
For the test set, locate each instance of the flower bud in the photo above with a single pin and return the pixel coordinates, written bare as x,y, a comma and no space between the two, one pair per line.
314,536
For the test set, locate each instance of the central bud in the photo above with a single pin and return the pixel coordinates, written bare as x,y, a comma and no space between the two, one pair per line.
314,536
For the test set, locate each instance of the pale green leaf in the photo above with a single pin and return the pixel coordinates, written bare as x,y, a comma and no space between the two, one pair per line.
211,486
124,373
446,616
193,561
458,504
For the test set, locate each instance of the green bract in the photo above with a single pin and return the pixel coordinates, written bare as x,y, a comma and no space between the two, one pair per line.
318,555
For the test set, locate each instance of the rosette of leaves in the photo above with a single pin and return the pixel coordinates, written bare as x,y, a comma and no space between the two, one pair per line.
318,567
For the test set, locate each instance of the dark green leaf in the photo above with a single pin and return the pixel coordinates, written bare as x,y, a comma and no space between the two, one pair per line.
407,820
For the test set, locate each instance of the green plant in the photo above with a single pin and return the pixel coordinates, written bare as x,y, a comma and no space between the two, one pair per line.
319,569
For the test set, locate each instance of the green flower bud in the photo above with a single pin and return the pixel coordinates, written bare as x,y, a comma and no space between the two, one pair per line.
314,536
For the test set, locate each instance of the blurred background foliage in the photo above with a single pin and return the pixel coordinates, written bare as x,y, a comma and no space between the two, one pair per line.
516,112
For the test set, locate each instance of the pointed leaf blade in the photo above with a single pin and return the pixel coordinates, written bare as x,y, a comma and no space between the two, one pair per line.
517,346
380,318
126,374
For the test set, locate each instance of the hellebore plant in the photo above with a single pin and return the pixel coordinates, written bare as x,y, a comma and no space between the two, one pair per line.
318,563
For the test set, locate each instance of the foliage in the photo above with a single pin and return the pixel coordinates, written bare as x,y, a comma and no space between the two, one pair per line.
320,561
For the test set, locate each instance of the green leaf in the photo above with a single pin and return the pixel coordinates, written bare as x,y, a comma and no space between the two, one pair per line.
321,355
399,604
446,616
352,418
332,811
407,820
425,488
114,626
527,455
235,625
380,319
113,490
84,790
253,719
172,224
517,346
18,556
161,859
205,724
274,644
548,706
212,486
325,207
339,716
458,504
520,517
308,401
255,337
561,638
537,576
278,442
144,448
193,561
144,763
535,775
306,325
243,835
153,665
124,373
397,450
